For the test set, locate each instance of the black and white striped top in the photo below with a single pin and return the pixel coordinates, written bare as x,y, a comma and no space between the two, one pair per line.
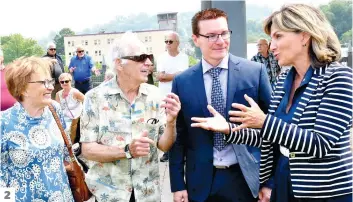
318,139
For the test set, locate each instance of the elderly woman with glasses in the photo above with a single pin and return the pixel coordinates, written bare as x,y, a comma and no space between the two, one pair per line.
305,137
70,100
32,148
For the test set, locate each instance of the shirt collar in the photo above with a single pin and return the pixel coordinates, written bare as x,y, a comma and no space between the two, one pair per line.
207,66
113,87
290,78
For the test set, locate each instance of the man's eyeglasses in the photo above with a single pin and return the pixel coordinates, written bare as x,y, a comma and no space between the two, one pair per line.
47,83
66,81
139,58
81,51
52,49
214,37
168,42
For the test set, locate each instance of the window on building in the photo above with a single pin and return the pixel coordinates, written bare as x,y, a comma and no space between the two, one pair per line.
86,43
73,43
83,42
69,42
99,42
100,62
87,52
69,54
146,38
95,42
100,53
96,52
150,38
108,41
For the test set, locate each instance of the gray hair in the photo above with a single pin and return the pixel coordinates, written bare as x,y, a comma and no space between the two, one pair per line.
175,34
79,47
51,44
129,44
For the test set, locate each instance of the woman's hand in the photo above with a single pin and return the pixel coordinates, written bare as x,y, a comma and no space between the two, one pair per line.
250,117
217,123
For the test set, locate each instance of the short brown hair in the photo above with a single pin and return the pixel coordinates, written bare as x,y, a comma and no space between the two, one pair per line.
324,46
207,14
19,73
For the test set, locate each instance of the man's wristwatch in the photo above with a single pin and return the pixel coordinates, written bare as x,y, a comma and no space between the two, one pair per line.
127,152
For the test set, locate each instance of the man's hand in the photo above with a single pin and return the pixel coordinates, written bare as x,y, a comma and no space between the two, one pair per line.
72,69
97,72
180,196
141,146
265,194
160,76
172,107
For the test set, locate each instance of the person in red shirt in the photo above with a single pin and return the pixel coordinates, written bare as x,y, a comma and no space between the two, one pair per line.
7,100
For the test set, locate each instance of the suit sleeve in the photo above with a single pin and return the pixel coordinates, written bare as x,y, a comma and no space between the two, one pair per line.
177,152
265,90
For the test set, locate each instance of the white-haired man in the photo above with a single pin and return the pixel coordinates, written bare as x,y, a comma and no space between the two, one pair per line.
169,64
82,66
123,123
58,67
265,57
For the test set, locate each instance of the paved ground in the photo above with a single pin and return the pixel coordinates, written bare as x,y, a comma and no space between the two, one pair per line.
167,196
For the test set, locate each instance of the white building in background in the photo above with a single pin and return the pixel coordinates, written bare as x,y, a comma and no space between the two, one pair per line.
98,45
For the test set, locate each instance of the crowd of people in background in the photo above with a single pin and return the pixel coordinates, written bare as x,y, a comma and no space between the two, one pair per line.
233,130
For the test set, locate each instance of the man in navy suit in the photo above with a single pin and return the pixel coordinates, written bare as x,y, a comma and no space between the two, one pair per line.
215,171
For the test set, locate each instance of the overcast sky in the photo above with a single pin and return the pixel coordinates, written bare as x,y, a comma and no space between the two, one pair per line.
37,18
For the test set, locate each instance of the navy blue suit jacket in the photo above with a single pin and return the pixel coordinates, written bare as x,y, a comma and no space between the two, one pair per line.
195,145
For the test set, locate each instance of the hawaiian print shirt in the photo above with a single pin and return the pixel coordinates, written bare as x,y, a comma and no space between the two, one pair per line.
109,119
32,156
273,69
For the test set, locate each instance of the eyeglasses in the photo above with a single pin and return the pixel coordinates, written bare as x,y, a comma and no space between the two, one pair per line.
81,51
139,58
52,49
168,42
214,37
66,81
47,83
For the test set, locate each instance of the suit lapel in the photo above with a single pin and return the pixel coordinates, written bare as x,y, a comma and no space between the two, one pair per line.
233,79
199,86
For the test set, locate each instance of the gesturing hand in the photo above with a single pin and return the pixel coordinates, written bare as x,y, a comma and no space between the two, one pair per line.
140,147
249,117
172,107
217,123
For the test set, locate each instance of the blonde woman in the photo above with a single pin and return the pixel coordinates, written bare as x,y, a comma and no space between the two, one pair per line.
70,100
305,137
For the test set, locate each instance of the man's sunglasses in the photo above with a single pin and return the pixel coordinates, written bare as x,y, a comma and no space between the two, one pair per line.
66,81
168,42
139,58
52,49
81,51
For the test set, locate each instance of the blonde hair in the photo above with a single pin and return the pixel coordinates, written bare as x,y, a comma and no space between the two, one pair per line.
324,47
20,71
65,75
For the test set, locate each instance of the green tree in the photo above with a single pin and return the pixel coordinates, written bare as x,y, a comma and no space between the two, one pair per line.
339,13
17,46
59,40
197,52
347,37
192,61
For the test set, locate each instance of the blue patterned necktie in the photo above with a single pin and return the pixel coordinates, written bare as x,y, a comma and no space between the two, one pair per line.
217,103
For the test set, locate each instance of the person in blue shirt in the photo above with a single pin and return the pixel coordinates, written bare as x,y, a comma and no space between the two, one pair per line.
82,66
32,148
305,137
